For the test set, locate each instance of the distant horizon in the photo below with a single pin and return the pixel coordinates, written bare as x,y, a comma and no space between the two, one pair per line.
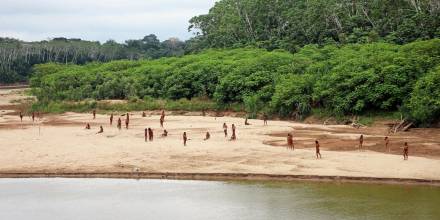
72,38
116,20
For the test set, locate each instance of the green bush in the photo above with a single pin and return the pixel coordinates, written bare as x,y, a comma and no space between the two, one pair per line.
424,104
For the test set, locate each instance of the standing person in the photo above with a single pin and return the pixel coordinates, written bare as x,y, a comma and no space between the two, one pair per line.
33,116
317,149
405,151
119,123
225,129
94,113
361,141
207,136
111,119
146,134
101,130
185,138
265,118
162,119
246,122
127,120
290,141
233,137
150,134
21,116
387,141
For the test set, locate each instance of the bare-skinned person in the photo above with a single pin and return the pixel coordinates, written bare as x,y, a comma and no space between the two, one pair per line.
225,129
21,116
317,146
387,142
207,136
165,133
94,113
161,120
290,142
234,136
33,116
88,126
146,134
185,138
265,119
150,134
111,119
119,123
361,141
405,151
127,120
101,130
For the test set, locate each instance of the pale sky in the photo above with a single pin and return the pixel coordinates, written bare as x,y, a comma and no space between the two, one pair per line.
32,20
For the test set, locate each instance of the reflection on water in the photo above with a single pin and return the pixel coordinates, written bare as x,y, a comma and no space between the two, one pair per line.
42,199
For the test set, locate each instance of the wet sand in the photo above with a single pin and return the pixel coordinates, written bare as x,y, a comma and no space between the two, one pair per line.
59,144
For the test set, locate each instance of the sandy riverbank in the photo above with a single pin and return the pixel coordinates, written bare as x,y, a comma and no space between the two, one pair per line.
60,144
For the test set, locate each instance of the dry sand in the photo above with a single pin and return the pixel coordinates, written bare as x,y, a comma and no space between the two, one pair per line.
59,143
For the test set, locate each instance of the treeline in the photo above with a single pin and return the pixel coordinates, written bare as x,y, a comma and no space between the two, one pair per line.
17,57
268,24
343,80
291,24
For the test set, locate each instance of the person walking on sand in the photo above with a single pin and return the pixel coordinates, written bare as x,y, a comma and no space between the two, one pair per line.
405,151
225,129
387,141
361,141
185,138
207,136
127,120
111,119
33,116
94,113
146,134
318,153
101,130
150,134
265,118
21,116
119,123
290,142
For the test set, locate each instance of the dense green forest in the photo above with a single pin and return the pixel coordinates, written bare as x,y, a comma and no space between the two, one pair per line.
349,79
291,24
287,58
17,57
269,24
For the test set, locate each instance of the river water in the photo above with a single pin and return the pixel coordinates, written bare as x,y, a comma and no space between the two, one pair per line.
60,198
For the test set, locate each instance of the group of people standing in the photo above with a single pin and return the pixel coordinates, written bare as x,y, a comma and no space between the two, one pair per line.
290,145
149,133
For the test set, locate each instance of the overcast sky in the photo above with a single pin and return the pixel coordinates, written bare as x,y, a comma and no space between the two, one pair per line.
101,20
